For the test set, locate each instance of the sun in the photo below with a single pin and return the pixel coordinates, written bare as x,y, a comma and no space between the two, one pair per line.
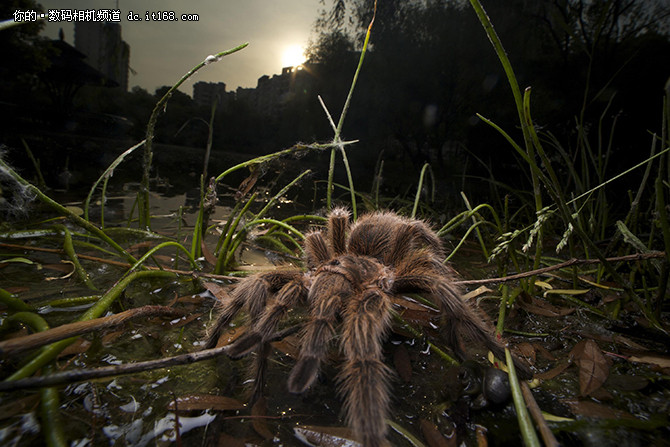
292,56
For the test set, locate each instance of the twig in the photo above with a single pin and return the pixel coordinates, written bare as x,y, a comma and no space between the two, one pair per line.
32,341
118,263
78,375
536,413
568,263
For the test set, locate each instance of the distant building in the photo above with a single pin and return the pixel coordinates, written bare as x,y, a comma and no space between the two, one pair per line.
105,50
272,94
205,93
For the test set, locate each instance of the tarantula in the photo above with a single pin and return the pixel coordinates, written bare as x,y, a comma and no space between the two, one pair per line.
353,271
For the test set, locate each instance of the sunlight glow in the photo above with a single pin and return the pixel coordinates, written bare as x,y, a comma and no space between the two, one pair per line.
292,56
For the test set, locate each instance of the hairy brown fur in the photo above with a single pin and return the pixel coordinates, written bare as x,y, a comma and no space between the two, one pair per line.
354,270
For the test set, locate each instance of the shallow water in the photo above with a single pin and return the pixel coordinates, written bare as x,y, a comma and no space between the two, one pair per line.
138,409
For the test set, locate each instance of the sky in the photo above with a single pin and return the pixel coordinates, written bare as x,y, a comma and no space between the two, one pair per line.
162,52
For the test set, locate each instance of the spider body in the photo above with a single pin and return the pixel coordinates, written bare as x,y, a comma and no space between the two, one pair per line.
353,271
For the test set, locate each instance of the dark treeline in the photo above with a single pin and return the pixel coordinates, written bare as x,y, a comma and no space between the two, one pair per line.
597,72
594,67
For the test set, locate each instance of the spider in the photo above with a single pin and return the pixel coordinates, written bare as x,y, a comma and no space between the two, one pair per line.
353,271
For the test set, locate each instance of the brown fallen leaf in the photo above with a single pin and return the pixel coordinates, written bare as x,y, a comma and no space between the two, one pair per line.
217,290
527,350
230,336
189,299
593,366
625,382
206,252
164,260
140,245
663,362
541,307
198,402
595,410
248,183
628,343
325,436
258,421
289,345
433,436
63,267
547,375
78,347
477,292
109,338
544,352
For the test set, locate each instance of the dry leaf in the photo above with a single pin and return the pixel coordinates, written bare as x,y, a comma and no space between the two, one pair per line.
625,382
628,342
325,436
110,337
663,362
541,307
433,436
78,347
595,410
63,267
258,421
66,267
565,292
248,183
289,345
547,375
543,352
230,336
188,299
593,366
143,245
475,293
527,350
209,257
217,290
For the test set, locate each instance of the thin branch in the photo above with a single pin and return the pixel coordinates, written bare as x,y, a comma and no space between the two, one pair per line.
568,263
119,263
20,344
536,413
79,375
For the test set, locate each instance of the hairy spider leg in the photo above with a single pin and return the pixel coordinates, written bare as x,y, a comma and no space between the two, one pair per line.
317,250
262,332
425,275
365,377
252,293
328,292
338,226
264,329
